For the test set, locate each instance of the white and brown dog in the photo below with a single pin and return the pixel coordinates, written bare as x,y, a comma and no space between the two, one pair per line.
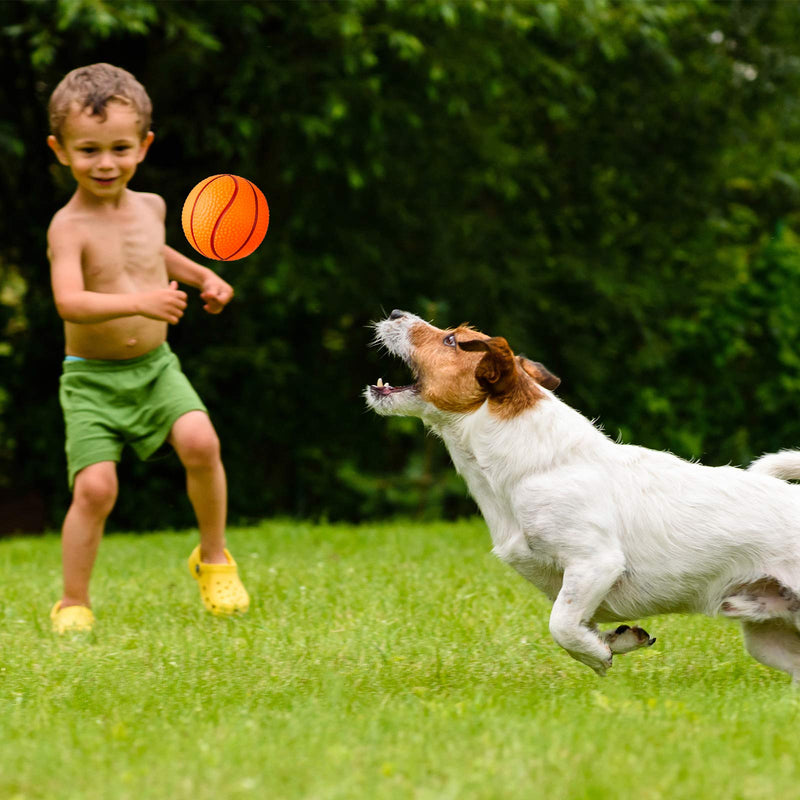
607,531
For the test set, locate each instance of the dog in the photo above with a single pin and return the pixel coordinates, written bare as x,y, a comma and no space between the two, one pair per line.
608,531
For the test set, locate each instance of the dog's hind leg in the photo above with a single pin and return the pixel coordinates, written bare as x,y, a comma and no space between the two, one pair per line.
775,644
761,601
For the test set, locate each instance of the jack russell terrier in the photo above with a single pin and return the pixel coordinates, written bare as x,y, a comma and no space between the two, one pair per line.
608,531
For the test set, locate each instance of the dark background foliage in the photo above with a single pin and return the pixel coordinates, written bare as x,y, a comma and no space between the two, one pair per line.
610,185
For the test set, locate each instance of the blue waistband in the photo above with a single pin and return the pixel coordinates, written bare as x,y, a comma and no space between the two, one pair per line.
79,363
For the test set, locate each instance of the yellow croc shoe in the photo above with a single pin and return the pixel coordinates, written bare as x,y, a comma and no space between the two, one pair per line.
222,591
72,619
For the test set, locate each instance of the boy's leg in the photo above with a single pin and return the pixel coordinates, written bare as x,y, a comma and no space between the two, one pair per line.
196,443
94,495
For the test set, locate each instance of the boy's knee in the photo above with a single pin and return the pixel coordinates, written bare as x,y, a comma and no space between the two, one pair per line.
200,449
97,489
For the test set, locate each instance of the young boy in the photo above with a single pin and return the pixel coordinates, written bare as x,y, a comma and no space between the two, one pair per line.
115,284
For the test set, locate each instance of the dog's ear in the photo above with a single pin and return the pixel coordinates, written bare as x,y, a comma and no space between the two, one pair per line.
497,370
540,373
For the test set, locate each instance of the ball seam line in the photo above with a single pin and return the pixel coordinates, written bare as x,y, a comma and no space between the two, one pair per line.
221,216
255,220
194,206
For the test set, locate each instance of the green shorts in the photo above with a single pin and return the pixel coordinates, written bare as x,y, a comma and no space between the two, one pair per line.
108,404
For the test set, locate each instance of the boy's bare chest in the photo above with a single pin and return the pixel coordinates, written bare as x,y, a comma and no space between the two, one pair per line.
124,256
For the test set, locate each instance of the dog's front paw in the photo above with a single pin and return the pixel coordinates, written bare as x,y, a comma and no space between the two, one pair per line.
600,664
603,666
625,638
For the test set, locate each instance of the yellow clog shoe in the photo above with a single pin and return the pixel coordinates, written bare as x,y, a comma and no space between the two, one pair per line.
222,591
72,619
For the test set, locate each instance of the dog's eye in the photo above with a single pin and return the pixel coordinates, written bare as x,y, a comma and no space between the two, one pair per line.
450,340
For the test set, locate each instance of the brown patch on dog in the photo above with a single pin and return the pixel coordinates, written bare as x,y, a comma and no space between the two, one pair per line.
446,375
512,383
540,373
459,368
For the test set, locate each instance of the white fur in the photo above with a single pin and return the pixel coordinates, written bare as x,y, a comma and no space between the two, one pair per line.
784,465
614,532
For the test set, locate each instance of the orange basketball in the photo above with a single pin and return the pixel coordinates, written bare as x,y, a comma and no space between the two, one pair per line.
225,217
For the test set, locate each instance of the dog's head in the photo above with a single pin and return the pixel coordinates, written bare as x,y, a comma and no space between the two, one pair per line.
456,371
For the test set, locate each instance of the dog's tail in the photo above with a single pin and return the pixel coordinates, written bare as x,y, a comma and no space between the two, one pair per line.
784,465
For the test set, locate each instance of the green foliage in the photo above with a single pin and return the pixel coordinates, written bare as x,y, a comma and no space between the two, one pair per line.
598,181
377,661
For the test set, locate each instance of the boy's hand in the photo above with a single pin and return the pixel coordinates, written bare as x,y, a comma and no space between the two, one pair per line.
164,304
216,292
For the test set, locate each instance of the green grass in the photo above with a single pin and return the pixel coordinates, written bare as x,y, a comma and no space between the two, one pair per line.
382,661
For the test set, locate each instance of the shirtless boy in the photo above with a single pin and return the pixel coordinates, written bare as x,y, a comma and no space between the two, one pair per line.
115,284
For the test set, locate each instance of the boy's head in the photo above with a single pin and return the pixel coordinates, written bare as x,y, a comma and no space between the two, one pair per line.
91,89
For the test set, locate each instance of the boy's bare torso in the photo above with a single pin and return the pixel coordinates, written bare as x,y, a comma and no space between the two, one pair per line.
121,252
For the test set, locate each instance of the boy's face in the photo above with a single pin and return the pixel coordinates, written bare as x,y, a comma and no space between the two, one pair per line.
102,154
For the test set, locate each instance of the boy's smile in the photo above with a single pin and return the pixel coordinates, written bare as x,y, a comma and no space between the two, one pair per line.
102,153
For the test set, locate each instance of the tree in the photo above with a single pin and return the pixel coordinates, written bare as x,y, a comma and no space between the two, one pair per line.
597,181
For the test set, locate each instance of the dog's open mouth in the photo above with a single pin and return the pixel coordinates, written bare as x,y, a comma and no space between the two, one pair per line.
382,389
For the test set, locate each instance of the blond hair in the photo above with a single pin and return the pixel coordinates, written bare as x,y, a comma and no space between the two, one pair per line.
93,87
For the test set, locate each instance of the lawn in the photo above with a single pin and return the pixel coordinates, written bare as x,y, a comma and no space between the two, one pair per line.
394,660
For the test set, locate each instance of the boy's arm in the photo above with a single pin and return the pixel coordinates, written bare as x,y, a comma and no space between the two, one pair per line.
216,292
75,304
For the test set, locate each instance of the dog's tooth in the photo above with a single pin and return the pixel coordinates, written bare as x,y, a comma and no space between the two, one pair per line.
379,384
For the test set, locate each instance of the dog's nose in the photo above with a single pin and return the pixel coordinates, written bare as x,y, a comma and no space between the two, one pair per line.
396,314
